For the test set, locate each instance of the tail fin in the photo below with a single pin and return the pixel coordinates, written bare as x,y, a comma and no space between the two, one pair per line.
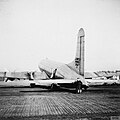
78,63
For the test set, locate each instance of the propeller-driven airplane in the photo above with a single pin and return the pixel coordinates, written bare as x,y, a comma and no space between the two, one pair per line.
60,74
11,76
55,74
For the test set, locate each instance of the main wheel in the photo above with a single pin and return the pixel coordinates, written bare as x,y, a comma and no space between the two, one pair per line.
53,86
85,88
78,87
32,85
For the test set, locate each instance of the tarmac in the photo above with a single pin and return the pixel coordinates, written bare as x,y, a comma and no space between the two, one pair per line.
20,102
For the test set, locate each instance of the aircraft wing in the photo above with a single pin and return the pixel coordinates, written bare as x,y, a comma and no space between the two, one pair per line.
101,82
63,70
53,81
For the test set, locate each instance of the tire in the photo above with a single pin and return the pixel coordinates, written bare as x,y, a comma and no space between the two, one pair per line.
53,86
85,88
32,85
79,87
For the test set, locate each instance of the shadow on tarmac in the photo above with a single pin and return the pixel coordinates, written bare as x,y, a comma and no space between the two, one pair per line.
94,89
110,89
47,89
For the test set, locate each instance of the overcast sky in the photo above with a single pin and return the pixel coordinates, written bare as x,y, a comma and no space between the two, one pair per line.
31,30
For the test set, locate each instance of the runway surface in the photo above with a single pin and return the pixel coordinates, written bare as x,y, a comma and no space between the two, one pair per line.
24,103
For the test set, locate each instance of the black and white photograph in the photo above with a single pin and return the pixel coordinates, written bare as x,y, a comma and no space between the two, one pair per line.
59,59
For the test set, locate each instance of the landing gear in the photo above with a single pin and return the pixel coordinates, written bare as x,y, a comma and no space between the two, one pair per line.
85,88
53,86
78,87
32,85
